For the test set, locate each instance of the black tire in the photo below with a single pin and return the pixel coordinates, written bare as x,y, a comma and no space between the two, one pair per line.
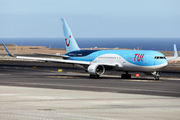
91,76
156,78
126,76
94,76
129,76
123,76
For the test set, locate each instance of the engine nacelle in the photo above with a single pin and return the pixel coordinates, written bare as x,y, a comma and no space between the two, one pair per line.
96,69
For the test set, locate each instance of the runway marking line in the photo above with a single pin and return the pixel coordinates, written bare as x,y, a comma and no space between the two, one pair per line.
61,77
5,74
67,115
23,116
143,80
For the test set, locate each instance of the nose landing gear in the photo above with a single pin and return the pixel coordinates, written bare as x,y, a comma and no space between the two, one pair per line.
156,75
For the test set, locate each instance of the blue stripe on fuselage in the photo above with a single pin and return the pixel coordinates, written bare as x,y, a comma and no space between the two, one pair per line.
136,57
80,53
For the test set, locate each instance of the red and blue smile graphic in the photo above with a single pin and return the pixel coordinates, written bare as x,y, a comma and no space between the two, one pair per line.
67,44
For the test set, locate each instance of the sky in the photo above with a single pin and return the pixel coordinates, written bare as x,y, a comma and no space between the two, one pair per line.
90,18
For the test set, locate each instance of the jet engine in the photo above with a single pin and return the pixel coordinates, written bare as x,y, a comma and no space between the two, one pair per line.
96,69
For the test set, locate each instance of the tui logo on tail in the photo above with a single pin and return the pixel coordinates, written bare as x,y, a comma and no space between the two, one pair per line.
67,44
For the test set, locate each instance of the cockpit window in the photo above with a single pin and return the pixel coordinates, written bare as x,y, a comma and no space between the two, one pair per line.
159,57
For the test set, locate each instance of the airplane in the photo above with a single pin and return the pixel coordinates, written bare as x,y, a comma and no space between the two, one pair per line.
96,62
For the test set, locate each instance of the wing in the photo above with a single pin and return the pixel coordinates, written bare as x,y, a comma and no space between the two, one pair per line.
54,60
175,54
48,59
56,55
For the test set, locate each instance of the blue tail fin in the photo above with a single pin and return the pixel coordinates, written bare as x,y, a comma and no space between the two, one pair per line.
70,42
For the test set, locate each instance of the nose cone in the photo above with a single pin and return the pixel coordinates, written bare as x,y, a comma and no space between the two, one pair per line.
165,64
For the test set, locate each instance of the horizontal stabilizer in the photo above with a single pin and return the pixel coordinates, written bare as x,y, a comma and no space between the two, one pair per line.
7,50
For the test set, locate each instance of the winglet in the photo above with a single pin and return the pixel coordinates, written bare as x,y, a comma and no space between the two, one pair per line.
175,51
7,50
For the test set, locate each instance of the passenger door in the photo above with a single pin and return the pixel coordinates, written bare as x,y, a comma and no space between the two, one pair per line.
146,59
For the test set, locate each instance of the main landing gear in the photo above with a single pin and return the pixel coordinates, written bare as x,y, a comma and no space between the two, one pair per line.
94,76
126,76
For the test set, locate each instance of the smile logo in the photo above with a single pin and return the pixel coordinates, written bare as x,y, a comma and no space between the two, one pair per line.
67,44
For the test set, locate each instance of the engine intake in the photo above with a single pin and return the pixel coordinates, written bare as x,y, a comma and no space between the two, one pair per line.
96,69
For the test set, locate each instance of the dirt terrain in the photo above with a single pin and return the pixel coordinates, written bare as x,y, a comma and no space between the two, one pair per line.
14,49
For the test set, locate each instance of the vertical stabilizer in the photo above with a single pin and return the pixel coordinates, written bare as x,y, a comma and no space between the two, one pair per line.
70,42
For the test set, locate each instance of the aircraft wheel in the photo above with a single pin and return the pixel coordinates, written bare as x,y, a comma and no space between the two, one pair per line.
156,78
126,76
129,76
123,76
94,76
91,76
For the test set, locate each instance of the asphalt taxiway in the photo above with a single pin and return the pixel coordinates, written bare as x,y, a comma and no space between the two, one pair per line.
42,78
27,93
